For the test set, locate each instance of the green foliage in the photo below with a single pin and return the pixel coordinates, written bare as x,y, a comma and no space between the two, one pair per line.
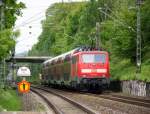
9,100
6,43
125,70
145,19
118,30
70,25
67,26
11,9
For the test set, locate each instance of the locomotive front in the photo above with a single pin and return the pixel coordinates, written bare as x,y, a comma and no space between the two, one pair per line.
93,69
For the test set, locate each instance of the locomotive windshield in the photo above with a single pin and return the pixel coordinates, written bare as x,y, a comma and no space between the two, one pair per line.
93,58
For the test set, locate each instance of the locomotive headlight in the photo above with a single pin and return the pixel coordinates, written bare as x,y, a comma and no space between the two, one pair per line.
101,70
86,70
103,76
84,76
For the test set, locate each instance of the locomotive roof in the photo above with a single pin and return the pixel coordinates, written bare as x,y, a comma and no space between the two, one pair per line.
62,56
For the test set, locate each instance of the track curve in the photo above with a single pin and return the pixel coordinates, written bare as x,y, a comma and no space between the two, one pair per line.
73,106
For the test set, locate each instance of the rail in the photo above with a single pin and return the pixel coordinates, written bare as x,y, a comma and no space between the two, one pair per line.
79,105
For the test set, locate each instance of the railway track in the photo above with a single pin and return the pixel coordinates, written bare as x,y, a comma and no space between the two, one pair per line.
125,99
61,104
50,104
119,98
122,98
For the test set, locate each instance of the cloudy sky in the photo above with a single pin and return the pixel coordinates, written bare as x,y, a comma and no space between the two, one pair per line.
30,23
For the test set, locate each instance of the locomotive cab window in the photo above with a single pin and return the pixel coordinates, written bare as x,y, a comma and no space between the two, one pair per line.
93,58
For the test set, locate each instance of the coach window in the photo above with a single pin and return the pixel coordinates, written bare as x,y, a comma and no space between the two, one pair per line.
73,60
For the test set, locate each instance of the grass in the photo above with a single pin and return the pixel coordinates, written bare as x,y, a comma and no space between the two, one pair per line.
9,100
123,69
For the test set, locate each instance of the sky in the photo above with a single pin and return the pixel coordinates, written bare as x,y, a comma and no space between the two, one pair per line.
30,23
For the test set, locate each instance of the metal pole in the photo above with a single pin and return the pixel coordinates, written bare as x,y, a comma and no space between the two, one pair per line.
98,42
14,70
1,74
2,15
105,10
1,3
1,29
4,72
138,41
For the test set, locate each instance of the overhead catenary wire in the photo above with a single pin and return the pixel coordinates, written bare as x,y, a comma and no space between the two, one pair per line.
34,16
21,25
26,21
30,19
120,22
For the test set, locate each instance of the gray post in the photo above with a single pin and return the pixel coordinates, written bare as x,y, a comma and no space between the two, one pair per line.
138,40
4,71
2,14
1,75
106,8
1,28
98,42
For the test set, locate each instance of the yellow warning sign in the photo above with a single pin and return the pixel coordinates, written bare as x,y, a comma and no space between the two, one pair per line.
24,86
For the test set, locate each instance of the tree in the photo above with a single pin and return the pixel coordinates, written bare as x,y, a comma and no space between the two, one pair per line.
73,24
10,9
145,27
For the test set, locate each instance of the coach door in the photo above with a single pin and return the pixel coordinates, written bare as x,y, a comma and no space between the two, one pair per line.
74,67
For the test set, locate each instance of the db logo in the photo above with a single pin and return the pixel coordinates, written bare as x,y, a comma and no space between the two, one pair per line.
24,86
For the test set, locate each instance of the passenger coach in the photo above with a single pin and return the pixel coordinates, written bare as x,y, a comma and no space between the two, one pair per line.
80,68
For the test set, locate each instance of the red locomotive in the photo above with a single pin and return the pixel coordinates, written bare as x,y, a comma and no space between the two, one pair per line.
79,68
